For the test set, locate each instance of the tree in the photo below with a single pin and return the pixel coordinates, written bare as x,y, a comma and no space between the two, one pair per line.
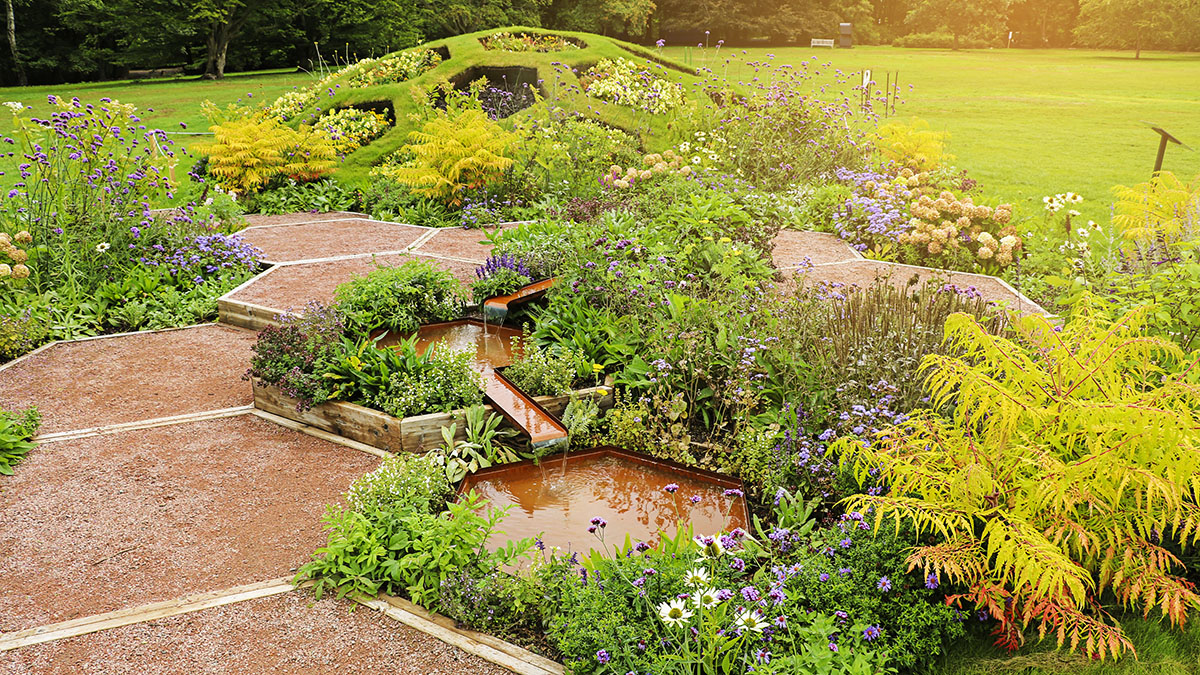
1130,24
455,17
630,18
1043,23
12,45
224,19
959,18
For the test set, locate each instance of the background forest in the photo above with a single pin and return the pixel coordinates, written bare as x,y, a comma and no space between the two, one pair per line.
53,41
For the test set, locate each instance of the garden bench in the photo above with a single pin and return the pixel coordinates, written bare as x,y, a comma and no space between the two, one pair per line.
821,43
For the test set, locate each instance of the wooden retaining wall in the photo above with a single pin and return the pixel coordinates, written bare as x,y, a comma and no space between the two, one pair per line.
380,430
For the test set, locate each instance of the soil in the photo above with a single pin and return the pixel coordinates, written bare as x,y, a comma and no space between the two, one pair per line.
331,238
865,272
290,287
127,378
457,242
120,520
293,218
288,633
792,247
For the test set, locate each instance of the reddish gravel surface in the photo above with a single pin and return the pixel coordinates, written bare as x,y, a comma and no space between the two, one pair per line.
457,242
865,272
331,238
290,287
281,634
793,247
128,378
181,509
293,218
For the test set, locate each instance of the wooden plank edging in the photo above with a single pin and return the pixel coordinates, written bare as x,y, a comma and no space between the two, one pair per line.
493,650
144,424
158,610
316,432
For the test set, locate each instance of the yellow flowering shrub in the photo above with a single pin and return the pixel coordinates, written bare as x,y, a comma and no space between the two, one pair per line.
946,224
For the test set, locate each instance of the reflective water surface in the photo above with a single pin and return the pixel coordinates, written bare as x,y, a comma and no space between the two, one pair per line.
561,496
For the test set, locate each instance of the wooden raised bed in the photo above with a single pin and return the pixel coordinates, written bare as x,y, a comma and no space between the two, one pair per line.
378,429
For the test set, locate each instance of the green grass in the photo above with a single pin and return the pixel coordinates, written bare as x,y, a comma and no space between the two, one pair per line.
1028,123
1160,651
165,103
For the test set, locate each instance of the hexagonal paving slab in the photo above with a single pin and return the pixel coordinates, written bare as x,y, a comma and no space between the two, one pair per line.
129,378
288,633
123,519
458,242
331,239
866,272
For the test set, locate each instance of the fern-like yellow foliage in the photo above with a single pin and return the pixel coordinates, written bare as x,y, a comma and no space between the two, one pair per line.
1163,206
912,145
452,154
1064,459
248,153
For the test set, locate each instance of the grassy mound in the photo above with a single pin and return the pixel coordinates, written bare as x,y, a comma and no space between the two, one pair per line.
555,75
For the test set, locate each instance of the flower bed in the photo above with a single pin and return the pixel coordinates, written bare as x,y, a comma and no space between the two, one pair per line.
624,82
529,42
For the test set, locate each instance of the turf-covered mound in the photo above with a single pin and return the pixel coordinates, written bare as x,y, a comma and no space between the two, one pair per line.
635,89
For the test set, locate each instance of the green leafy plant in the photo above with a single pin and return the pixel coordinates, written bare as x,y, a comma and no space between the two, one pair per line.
446,380
540,372
405,480
292,196
16,430
402,551
1052,465
400,298
482,447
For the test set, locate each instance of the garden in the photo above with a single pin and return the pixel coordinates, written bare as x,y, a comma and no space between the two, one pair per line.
667,370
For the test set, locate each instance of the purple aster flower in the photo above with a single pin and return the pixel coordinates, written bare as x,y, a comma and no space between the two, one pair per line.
885,584
872,633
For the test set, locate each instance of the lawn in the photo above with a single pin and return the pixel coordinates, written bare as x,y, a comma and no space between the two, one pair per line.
1027,123
166,103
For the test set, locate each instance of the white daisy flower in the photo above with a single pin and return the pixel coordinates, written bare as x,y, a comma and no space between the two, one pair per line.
751,620
705,598
102,247
696,578
674,613
1083,232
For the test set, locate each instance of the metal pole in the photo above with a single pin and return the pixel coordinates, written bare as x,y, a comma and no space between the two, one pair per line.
887,92
1162,151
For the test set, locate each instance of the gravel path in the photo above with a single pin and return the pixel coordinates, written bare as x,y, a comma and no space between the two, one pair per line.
331,238
457,242
120,520
113,380
289,633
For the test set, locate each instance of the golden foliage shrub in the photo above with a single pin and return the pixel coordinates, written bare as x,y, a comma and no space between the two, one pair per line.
247,153
912,145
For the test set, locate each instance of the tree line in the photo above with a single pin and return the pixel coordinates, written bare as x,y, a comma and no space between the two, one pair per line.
51,41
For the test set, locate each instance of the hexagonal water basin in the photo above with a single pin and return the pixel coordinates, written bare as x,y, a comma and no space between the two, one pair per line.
559,497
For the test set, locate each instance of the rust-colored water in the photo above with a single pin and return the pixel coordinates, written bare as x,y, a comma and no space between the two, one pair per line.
560,497
492,346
